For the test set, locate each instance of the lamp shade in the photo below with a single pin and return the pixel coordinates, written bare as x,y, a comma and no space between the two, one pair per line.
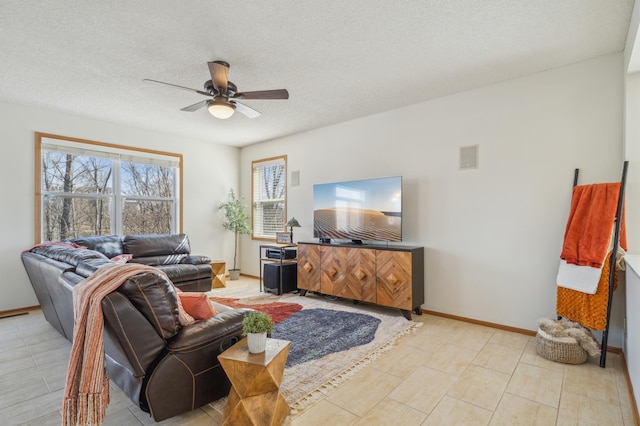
221,109
293,222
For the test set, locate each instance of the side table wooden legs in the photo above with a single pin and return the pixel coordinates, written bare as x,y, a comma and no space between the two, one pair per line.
255,397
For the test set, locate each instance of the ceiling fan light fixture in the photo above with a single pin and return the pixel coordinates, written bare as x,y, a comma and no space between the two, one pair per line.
223,98
221,108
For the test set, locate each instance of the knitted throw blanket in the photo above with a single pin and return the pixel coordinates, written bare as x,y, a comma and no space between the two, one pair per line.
86,393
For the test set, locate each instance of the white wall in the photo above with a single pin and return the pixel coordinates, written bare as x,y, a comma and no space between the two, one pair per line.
210,170
632,154
632,343
492,235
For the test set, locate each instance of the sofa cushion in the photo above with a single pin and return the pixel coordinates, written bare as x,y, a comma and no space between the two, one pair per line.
154,296
156,244
69,255
168,259
109,245
185,272
197,260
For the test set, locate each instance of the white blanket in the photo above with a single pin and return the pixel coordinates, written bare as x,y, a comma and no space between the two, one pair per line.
579,278
584,278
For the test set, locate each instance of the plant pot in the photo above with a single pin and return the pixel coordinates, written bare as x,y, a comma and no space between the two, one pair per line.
234,274
257,342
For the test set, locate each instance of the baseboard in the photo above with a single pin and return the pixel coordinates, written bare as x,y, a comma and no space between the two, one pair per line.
249,276
634,405
478,322
611,349
20,311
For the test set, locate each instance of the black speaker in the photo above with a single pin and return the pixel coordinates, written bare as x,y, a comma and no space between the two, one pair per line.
271,276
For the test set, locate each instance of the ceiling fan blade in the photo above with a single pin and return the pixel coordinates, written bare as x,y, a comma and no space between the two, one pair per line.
196,106
179,87
263,94
246,110
219,75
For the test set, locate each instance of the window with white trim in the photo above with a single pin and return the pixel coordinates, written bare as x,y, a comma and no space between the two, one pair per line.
269,196
90,188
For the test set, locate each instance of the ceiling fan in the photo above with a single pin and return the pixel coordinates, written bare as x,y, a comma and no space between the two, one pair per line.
224,94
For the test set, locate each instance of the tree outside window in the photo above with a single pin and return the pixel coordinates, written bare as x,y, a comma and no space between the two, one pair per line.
269,196
101,189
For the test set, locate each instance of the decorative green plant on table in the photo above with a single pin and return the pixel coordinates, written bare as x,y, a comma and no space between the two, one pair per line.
236,217
257,322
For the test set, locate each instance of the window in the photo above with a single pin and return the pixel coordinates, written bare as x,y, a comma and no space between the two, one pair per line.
90,188
269,196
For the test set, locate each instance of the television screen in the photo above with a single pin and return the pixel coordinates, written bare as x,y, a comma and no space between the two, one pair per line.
359,210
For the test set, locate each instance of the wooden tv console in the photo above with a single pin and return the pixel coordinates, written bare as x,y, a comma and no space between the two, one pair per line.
390,276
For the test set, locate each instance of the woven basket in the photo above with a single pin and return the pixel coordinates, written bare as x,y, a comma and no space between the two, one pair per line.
565,350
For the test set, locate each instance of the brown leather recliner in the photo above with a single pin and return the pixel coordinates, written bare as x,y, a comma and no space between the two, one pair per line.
163,367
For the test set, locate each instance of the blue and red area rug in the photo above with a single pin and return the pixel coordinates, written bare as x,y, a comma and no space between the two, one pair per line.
330,339
278,311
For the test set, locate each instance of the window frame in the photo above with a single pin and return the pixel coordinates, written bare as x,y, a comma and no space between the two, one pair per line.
253,201
100,147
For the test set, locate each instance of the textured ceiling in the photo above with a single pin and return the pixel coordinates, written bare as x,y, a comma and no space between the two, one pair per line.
338,59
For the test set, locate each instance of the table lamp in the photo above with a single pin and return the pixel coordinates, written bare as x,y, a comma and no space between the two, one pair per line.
293,222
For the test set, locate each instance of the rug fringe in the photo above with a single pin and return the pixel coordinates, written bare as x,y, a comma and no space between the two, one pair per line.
322,390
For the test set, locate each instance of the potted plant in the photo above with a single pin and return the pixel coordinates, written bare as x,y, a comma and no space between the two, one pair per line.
256,325
236,219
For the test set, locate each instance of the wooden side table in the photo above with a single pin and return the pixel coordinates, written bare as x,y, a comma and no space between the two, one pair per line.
255,397
218,279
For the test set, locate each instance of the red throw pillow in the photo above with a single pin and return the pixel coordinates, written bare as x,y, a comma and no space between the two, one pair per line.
197,305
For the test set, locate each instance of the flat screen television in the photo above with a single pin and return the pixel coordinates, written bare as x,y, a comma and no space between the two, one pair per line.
358,210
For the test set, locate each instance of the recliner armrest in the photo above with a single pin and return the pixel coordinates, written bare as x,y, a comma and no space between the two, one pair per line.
220,327
197,260
189,375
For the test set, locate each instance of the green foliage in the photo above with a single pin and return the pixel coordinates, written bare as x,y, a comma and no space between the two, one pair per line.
257,322
236,219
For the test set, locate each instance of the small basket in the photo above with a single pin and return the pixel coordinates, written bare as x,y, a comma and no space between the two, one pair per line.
566,350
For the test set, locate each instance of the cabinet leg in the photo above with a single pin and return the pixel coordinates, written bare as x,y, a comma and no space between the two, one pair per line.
406,314
303,292
418,310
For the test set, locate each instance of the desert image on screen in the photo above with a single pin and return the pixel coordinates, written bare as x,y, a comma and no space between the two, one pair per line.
357,224
359,210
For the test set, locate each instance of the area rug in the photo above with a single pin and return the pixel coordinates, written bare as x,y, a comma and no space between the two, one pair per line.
331,339
314,333
278,311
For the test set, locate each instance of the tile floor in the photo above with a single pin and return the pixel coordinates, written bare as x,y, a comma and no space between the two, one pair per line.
445,373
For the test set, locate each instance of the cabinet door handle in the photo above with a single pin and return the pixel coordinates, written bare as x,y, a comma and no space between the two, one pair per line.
361,275
391,279
308,267
332,272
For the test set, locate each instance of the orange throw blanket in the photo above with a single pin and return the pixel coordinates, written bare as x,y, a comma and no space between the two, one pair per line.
591,219
590,310
86,394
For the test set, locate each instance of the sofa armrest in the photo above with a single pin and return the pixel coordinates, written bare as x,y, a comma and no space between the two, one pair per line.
197,260
217,328
189,375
